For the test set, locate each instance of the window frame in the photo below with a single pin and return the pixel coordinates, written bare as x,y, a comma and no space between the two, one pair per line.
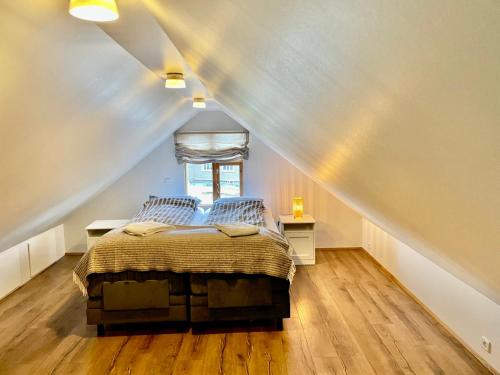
216,169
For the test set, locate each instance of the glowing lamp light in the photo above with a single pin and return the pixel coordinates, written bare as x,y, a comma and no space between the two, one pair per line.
175,81
199,103
298,207
94,10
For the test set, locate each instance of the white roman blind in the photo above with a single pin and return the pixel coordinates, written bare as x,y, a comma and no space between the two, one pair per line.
211,147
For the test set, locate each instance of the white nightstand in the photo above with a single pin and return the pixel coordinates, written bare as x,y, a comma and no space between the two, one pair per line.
300,234
100,227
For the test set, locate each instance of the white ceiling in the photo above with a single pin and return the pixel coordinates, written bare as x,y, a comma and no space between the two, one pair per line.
140,34
392,106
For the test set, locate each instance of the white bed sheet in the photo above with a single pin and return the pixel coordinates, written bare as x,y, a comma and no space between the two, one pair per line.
199,217
269,222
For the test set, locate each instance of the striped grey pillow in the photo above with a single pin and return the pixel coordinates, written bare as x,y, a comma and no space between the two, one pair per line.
232,210
176,200
168,210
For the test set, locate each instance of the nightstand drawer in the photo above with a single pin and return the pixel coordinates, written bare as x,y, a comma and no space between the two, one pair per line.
302,243
298,227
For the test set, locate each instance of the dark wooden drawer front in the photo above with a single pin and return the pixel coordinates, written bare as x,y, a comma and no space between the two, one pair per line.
133,295
239,292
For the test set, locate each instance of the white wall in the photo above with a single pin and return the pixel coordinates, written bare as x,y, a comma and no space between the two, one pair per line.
157,174
463,309
211,121
266,174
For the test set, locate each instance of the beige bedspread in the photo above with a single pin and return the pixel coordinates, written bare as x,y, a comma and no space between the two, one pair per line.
188,249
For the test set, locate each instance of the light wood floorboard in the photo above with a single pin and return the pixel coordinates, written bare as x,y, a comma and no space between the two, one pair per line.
347,318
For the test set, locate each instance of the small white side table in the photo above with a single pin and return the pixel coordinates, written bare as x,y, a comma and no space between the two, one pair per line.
100,227
300,234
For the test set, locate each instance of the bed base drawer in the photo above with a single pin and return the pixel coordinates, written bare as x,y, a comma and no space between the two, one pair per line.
178,283
223,293
134,295
198,282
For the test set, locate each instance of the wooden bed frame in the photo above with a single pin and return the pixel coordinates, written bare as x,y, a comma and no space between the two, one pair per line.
153,296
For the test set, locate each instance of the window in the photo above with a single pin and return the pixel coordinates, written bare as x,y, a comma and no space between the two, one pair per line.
207,167
211,181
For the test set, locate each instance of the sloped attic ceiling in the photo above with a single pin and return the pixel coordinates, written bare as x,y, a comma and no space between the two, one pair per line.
390,105
76,111
393,105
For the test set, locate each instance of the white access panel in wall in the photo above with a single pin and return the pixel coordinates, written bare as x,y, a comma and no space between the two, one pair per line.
14,268
45,249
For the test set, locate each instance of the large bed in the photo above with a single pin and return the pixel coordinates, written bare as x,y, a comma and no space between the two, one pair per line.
190,274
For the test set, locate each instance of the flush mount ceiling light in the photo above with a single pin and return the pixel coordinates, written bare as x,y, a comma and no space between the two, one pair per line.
94,10
175,81
199,103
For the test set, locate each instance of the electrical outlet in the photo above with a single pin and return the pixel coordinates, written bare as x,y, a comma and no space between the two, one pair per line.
486,344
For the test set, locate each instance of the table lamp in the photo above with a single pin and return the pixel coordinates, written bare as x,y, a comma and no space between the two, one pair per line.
298,207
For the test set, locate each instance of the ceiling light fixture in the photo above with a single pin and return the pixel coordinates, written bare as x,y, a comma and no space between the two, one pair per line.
94,10
175,81
199,103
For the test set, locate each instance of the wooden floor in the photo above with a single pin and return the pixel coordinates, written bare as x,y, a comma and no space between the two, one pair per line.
347,318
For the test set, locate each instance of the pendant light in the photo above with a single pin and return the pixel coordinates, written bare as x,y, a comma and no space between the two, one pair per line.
175,81
94,10
199,103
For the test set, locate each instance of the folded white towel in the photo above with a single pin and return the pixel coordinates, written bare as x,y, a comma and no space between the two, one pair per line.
238,230
146,228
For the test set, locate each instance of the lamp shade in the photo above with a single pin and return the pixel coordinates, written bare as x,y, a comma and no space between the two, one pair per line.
298,207
175,81
199,103
94,10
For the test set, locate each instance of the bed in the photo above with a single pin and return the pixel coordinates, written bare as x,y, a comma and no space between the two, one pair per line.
191,274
